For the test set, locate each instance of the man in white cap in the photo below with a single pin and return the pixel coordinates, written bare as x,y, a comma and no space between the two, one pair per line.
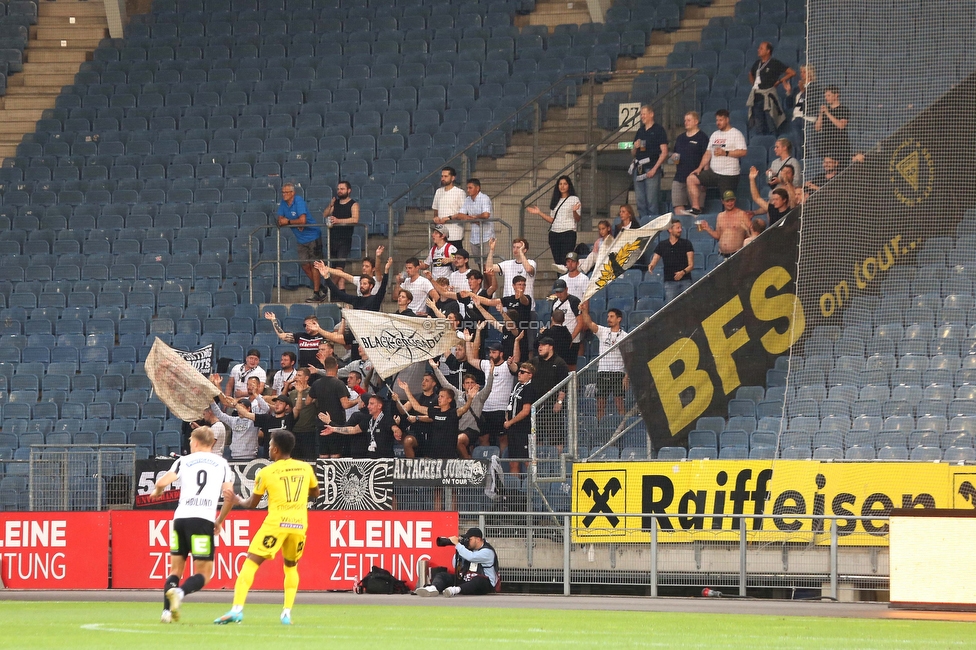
576,280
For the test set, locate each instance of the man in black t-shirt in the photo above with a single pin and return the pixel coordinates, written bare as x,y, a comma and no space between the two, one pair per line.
650,152
561,337
831,128
550,370
456,365
371,432
766,114
689,149
331,396
679,259
518,416
307,341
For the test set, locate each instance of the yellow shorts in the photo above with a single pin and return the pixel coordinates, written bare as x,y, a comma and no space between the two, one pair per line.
271,539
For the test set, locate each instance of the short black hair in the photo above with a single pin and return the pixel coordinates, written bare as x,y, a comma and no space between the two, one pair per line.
474,181
370,279
346,183
412,260
476,274
832,89
617,312
449,170
290,355
284,441
722,113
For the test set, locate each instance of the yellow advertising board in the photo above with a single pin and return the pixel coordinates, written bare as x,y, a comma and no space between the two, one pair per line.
783,488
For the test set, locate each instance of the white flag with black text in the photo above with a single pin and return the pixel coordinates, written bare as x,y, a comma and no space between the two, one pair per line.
393,342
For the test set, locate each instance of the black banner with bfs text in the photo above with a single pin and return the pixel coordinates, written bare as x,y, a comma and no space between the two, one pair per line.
724,332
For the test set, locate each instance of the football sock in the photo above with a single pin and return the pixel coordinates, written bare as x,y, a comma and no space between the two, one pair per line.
193,583
171,581
291,586
244,581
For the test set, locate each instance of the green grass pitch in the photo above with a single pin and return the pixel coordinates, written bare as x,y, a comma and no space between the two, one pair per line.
39,625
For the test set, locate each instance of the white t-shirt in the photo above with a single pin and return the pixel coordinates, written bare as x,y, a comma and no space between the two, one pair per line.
730,140
241,374
355,281
419,289
459,281
352,410
259,406
563,220
612,362
501,387
449,204
577,286
278,383
439,260
220,437
511,268
202,476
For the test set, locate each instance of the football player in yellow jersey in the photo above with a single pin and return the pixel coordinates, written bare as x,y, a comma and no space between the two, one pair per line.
289,484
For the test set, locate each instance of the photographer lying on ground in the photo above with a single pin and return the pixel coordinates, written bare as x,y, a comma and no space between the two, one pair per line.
475,567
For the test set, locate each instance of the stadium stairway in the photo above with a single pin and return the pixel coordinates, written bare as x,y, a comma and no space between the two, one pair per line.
66,34
562,129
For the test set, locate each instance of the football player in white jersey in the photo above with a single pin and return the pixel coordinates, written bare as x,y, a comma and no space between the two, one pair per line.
203,476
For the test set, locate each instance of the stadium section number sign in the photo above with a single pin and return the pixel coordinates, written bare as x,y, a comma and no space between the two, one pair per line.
54,550
628,116
341,547
782,488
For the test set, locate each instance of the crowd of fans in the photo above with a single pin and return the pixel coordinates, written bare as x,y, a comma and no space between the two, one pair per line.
482,393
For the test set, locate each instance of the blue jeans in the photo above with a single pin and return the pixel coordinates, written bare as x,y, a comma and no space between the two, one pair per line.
648,193
674,288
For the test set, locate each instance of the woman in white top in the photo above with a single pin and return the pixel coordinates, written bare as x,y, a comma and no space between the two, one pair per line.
564,215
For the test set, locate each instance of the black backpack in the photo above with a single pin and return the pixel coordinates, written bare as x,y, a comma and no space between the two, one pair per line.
381,581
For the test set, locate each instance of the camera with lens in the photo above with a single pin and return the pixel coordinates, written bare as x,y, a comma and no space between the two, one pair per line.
446,541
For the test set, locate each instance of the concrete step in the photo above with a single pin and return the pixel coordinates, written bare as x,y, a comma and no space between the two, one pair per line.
55,67
29,102
57,55
68,8
19,115
49,32
41,80
24,92
71,42
18,126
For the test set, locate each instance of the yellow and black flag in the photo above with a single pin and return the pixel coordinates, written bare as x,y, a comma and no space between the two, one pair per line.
623,253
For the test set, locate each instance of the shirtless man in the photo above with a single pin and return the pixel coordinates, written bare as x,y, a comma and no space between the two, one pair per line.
732,226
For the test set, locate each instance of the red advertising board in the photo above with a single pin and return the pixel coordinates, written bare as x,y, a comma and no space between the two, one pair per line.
54,550
341,547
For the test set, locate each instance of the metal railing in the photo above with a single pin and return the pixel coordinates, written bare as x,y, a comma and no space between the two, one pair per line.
253,264
670,107
821,556
482,257
81,477
501,126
